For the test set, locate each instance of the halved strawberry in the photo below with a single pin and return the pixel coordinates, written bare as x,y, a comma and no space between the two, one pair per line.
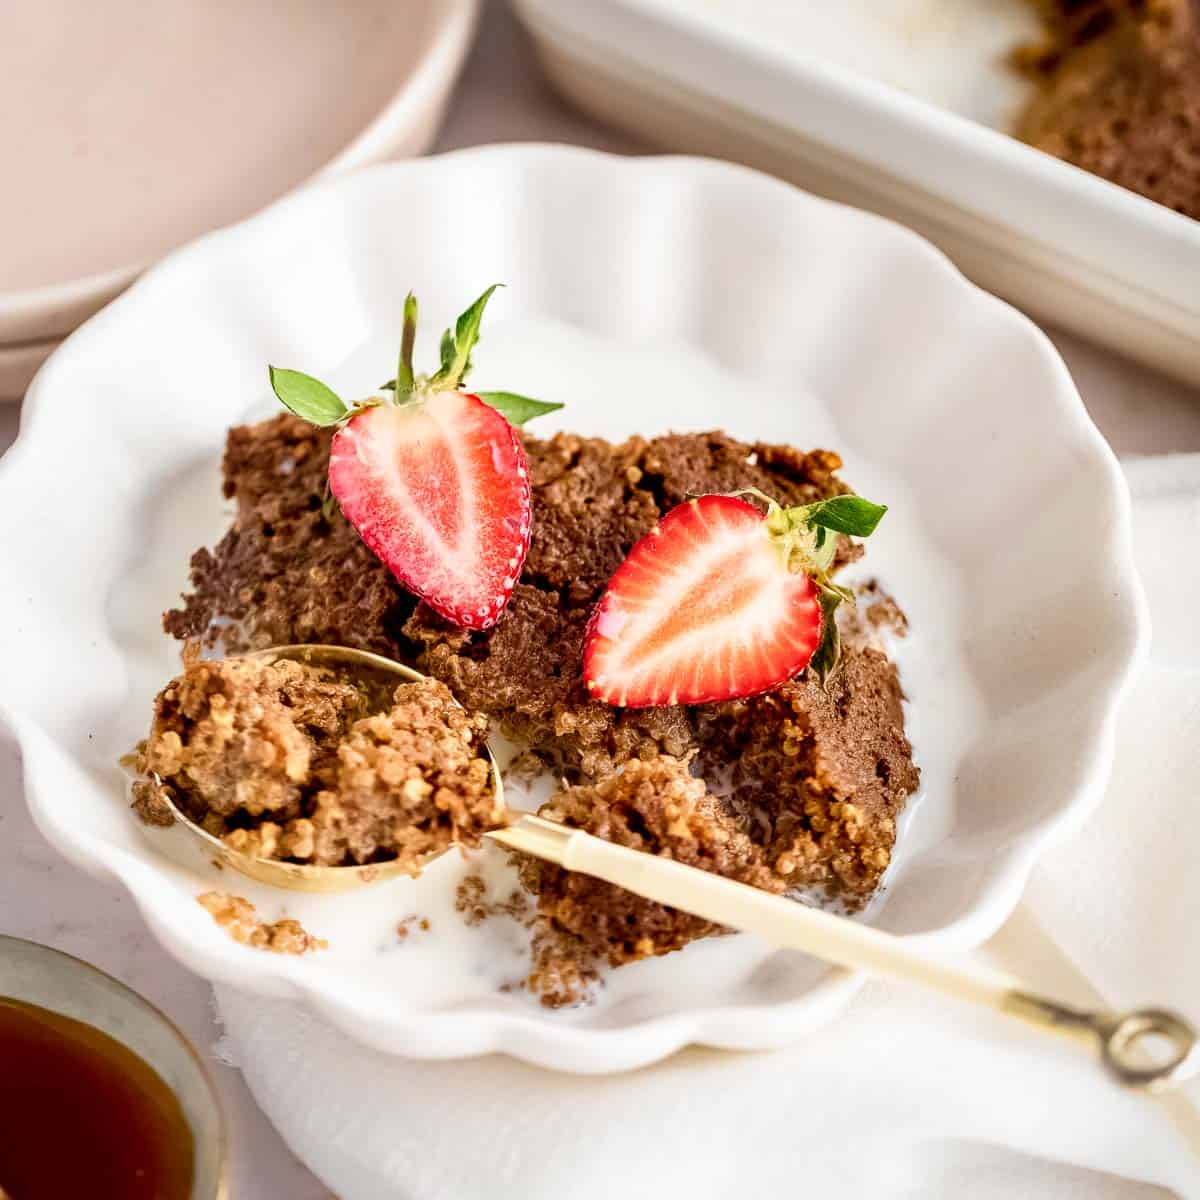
439,490
720,600
434,478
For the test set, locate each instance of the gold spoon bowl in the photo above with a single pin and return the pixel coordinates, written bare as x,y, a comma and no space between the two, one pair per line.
378,677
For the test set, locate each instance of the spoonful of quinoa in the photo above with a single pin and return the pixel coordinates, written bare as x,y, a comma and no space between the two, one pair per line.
311,758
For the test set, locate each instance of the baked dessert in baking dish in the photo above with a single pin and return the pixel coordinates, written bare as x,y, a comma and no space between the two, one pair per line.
1118,94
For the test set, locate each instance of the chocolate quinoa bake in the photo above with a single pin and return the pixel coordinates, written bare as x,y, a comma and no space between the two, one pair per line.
817,773
804,783
283,760
1118,94
656,805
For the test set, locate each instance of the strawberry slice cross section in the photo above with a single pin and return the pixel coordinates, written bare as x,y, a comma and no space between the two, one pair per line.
722,600
433,478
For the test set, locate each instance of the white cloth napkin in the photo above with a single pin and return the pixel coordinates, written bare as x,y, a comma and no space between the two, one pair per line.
905,1095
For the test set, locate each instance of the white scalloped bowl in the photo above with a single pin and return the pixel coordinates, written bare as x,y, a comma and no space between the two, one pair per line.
649,294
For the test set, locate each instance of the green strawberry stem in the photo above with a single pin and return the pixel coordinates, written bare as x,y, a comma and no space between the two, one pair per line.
319,404
405,380
805,537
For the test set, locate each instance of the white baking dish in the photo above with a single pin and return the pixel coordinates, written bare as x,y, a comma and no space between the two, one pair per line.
1069,248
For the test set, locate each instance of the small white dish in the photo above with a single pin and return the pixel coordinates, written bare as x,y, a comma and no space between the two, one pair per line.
648,294
144,126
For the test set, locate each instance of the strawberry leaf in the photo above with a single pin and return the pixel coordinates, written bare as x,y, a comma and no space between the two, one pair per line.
828,655
457,346
446,351
516,410
842,514
307,397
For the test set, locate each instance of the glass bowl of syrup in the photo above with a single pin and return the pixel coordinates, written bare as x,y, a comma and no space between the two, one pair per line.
100,1094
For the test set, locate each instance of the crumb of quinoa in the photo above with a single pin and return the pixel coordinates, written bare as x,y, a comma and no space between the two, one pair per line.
411,924
469,900
879,610
524,768
239,918
286,761
474,905
565,972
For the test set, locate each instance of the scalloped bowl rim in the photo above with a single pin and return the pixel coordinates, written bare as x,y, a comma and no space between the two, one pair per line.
454,1034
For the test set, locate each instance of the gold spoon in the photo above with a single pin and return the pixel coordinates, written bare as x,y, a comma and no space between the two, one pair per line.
379,676
1123,1041
1126,1042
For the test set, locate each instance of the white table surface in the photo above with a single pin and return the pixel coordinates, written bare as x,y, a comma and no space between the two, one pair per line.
501,98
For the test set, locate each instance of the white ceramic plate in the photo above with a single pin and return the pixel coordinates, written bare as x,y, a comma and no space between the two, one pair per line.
142,126
647,294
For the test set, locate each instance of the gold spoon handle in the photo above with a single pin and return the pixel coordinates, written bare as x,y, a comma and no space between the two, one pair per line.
1118,1037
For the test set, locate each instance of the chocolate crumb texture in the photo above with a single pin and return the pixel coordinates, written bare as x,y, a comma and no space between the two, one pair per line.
564,972
1118,94
151,803
475,906
657,806
471,900
819,774
876,612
